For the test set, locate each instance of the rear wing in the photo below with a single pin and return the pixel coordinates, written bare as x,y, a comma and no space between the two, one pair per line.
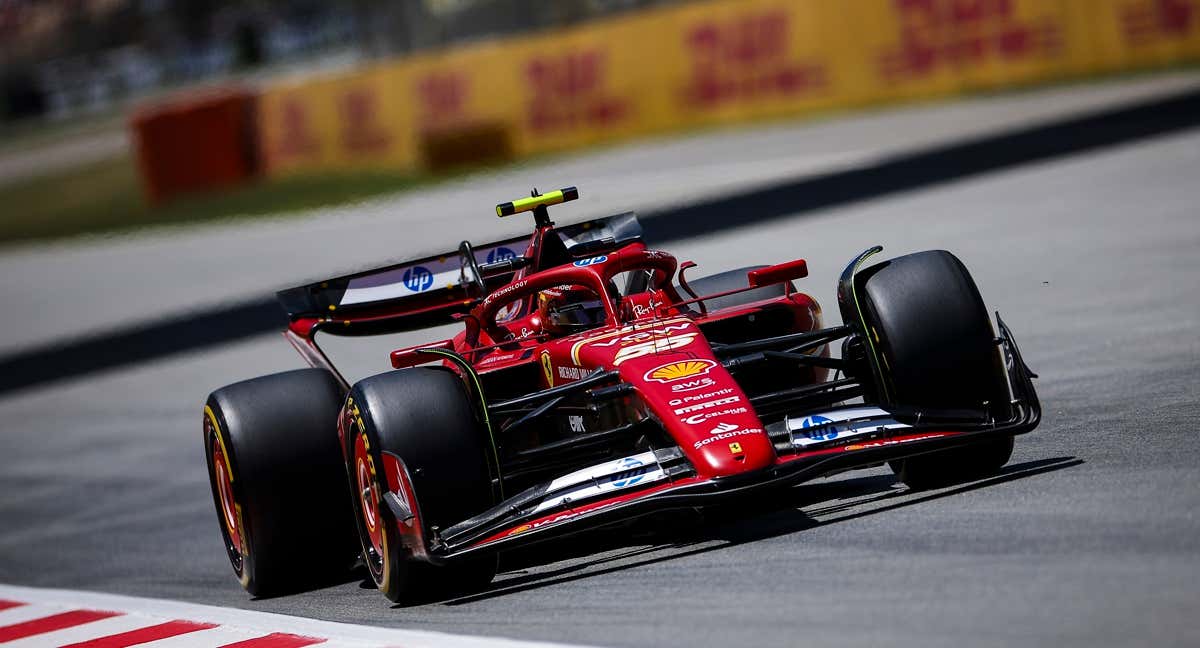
430,291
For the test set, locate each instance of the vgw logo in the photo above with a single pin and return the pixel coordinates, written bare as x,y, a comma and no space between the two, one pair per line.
418,279
633,474
583,263
500,254
814,427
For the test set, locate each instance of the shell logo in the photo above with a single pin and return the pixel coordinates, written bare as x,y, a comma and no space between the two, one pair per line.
521,529
679,370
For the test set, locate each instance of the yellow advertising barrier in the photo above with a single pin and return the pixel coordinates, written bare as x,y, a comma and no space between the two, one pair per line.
344,122
701,64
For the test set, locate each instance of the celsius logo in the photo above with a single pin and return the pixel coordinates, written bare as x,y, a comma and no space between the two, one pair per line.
500,254
592,261
418,279
811,424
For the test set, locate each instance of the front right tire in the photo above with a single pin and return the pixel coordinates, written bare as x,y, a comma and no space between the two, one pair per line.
936,349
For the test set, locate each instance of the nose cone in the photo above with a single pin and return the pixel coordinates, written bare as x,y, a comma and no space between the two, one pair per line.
706,412
699,404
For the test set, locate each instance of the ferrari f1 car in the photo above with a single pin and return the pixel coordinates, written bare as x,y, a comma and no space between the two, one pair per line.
591,383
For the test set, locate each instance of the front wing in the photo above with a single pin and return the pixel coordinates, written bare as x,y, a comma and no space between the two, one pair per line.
809,446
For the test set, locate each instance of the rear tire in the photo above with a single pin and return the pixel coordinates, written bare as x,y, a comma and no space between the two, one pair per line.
278,481
424,417
937,350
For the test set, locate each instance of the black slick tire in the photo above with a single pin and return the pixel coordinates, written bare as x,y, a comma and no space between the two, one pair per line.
278,481
936,349
424,417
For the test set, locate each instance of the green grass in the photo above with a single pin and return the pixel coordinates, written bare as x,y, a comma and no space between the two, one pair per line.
107,196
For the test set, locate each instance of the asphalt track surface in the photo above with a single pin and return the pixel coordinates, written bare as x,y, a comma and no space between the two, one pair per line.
1090,536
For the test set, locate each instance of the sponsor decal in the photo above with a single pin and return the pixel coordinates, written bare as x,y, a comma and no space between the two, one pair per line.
362,130
1154,21
726,435
735,448
521,529
644,335
701,397
633,473
583,263
632,335
660,345
500,254
697,419
547,368
697,407
888,442
693,385
511,288
939,35
723,427
569,91
818,428
642,311
576,423
748,57
541,523
673,371
418,279
572,373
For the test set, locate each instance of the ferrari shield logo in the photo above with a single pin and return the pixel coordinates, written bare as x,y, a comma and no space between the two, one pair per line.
547,368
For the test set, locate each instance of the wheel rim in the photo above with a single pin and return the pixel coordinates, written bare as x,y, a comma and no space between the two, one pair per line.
367,496
227,507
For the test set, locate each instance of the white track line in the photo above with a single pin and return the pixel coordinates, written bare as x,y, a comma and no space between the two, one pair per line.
233,625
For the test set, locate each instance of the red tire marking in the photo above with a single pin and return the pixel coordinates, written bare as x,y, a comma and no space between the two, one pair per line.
276,640
52,623
4,605
143,635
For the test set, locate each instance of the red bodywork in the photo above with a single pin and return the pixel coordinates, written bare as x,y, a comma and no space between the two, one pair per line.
656,343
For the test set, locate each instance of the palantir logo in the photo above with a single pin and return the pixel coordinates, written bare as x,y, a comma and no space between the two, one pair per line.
500,254
418,279
816,428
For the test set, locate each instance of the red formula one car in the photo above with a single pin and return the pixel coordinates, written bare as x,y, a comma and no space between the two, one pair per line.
592,383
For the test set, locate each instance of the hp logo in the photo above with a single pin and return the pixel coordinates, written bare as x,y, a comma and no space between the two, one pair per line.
418,279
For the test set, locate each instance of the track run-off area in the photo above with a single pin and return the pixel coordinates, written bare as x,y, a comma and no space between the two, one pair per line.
1089,537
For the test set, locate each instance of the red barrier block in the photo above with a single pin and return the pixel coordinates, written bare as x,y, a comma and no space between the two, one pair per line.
196,143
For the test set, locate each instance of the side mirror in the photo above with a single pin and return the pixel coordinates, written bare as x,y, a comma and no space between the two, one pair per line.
797,269
413,356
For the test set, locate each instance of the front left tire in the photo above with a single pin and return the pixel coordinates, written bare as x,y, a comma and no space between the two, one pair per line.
425,418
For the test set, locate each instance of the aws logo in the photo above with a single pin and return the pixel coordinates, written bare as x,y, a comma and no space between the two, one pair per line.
693,385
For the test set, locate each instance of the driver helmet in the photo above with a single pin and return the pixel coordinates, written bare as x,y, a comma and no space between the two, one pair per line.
569,309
